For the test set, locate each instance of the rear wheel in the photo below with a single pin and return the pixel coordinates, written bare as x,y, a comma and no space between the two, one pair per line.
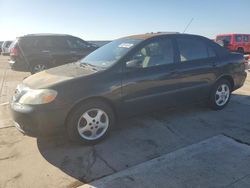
220,95
90,122
241,50
38,68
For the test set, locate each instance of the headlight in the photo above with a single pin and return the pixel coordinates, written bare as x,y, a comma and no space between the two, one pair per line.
38,96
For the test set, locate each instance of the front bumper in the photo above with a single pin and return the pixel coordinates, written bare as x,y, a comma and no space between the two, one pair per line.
38,120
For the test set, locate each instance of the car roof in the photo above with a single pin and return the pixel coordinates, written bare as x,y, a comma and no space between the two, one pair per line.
44,35
150,35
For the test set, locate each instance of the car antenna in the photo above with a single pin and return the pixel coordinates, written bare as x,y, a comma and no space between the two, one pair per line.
188,25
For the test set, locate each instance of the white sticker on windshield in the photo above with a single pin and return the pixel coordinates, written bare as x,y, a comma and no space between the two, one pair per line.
126,45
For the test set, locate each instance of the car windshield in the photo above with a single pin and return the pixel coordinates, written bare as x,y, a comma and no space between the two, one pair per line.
110,53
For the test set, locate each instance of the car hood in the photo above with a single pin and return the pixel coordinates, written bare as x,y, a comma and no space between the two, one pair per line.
57,75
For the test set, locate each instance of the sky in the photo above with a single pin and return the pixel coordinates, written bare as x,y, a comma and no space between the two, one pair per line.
111,19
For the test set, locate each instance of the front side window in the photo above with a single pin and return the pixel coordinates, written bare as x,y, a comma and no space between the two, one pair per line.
192,49
110,53
238,38
156,53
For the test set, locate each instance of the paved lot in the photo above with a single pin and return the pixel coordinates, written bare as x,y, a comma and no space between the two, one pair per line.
53,162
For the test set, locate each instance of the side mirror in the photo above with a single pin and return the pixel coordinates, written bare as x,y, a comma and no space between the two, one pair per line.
133,64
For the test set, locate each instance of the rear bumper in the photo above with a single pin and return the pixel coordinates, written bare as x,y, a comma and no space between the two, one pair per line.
240,80
18,65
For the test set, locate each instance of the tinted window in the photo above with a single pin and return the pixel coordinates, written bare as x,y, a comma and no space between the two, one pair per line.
77,43
156,53
36,42
191,49
238,38
246,38
43,42
59,42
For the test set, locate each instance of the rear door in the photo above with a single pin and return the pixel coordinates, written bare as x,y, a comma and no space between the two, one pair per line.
60,51
196,65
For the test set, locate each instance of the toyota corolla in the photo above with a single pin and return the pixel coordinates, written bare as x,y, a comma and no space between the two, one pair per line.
128,76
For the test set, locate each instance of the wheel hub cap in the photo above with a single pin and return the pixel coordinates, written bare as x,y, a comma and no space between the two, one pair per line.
93,124
222,95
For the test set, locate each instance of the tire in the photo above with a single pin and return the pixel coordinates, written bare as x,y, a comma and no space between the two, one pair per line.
241,50
38,67
220,97
84,125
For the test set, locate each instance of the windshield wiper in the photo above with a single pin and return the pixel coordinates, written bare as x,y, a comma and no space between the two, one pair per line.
87,64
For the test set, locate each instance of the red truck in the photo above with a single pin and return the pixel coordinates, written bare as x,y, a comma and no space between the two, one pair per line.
235,42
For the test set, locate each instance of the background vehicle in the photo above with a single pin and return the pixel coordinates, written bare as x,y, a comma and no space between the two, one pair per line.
127,76
247,57
235,42
5,47
1,43
37,52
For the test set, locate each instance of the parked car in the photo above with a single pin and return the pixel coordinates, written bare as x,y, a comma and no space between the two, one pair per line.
128,76
235,42
1,43
5,47
37,52
247,57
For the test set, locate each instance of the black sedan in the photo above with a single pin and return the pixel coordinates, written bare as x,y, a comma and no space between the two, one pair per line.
128,76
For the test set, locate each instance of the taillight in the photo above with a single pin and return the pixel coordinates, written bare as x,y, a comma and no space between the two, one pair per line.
14,51
247,57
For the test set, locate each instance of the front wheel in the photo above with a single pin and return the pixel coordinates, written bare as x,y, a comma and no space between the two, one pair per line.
220,94
90,122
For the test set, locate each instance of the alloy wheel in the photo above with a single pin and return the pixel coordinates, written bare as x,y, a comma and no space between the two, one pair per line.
39,68
93,124
222,94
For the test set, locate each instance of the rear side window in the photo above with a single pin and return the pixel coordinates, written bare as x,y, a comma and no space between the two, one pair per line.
44,43
246,38
36,42
59,42
238,38
192,49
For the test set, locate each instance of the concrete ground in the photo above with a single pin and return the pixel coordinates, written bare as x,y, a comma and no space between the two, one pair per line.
181,147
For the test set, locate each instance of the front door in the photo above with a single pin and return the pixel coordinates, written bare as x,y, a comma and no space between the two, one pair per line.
151,80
